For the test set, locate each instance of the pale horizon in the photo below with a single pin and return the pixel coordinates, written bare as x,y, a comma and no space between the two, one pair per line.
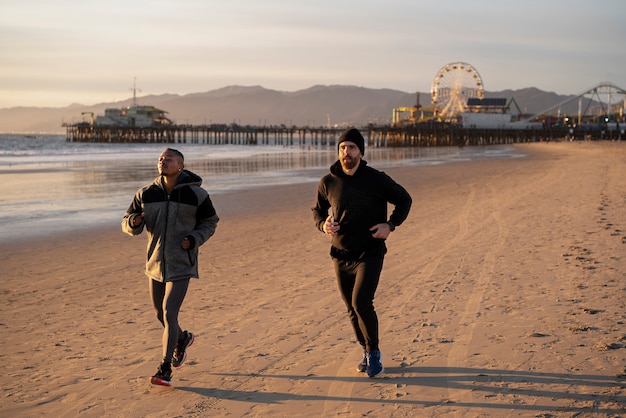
55,54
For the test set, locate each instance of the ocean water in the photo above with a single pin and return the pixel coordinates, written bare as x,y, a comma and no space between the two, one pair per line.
53,186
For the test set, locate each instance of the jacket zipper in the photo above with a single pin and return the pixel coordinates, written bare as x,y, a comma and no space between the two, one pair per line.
163,255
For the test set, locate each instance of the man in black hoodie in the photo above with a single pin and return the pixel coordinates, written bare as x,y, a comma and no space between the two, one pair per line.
357,196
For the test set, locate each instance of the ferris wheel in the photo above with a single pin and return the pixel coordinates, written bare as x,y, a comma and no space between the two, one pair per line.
452,86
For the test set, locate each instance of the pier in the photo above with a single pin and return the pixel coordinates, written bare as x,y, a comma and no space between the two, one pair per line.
419,135
204,134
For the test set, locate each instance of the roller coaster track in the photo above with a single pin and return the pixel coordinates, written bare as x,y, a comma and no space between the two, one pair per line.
604,88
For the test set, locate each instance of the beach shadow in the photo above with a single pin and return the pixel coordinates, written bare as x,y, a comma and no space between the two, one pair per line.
489,382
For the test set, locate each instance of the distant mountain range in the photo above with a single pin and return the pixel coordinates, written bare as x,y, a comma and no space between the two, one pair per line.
254,105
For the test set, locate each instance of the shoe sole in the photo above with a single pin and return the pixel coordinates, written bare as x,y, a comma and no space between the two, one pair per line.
193,338
160,382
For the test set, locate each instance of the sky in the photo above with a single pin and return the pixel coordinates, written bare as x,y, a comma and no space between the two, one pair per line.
60,52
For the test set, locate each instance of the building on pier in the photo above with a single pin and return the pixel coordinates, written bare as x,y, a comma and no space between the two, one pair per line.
133,116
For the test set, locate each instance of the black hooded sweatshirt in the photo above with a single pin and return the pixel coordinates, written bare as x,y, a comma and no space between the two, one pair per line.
359,202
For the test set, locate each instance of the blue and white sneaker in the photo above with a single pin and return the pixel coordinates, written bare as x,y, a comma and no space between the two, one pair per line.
374,363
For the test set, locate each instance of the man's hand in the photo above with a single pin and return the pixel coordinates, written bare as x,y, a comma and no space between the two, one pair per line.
380,231
330,226
136,220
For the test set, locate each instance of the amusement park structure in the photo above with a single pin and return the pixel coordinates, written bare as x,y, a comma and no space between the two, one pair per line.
457,97
604,103
453,85
406,114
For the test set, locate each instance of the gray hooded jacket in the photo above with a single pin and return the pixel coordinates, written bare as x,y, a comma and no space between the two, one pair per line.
187,212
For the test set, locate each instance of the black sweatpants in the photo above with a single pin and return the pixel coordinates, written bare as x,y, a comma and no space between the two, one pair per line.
357,282
167,299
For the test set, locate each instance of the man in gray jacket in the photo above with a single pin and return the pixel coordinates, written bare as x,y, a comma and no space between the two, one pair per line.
178,216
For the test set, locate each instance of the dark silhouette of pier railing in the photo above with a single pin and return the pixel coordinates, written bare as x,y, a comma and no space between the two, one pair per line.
420,135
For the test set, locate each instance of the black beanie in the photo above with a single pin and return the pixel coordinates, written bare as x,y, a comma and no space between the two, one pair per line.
353,135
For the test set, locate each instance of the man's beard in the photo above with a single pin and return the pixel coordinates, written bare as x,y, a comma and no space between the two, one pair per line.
348,163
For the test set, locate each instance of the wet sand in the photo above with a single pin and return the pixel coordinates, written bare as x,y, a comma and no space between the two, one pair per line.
503,294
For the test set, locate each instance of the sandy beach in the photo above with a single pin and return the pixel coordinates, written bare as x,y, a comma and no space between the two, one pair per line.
503,294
